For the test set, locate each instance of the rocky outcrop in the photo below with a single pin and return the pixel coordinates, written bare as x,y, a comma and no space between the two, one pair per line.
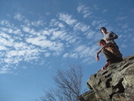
87,96
115,83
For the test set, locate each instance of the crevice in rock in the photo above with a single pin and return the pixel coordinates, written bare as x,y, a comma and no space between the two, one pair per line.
126,65
104,72
131,58
108,82
120,88
108,75
95,75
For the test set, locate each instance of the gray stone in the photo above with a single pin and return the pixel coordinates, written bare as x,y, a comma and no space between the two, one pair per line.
115,83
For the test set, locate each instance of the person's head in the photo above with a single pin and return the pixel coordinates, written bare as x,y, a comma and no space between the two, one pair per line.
103,30
102,42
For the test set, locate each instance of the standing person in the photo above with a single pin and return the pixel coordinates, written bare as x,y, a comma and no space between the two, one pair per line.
110,51
109,36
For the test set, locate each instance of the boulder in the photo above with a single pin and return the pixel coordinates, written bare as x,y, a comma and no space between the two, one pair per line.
115,83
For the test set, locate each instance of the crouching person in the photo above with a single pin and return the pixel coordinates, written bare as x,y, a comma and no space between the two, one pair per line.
110,51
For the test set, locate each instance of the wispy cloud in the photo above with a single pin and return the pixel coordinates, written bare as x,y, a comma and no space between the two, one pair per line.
24,43
55,22
18,16
4,70
84,10
67,18
104,11
82,27
120,18
22,18
6,23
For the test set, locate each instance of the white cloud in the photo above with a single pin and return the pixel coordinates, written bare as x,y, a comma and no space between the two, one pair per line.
84,10
31,31
6,23
57,34
47,54
121,18
19,46
90,34
44,32
4,70
55,22
4,35
63,35
26,29
18,17
61,25
70,38
12,54
95,7
6,42
93,50
27,22
104,11
9,30
74,55
24,67
65,55
95,22
84,52
57,46
82,27
44,43
67,18
12,60
3,48
39,41
80,48
37,23
80,8
14,57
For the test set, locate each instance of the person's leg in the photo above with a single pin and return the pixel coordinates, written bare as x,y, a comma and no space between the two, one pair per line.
110,57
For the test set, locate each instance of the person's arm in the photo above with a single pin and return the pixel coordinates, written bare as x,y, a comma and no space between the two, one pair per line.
112,36
97,54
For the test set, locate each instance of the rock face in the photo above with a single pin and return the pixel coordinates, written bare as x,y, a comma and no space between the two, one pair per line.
115,83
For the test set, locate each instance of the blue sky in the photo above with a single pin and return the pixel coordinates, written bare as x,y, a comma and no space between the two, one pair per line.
37,37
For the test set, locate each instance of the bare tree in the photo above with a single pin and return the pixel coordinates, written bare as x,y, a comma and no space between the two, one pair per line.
68,85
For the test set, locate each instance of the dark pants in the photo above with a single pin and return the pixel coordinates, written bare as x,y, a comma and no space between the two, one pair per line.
110,57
